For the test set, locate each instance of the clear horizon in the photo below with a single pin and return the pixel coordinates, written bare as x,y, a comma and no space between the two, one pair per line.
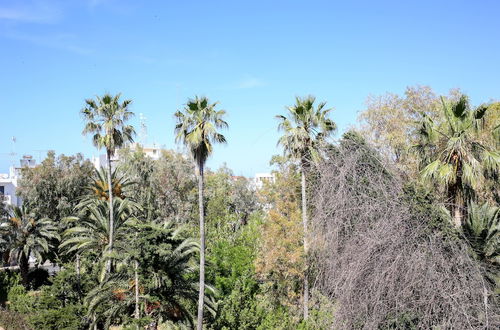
252,57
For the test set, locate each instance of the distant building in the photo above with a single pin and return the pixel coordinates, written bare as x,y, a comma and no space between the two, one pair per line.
100,161
153,152
9,182
260,178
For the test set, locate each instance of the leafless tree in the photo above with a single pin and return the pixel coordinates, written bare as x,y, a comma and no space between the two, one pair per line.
380,258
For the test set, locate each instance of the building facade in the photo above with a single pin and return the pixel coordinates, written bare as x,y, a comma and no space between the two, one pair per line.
261,178
9,181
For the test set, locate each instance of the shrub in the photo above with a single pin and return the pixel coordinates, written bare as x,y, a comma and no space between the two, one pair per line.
10,320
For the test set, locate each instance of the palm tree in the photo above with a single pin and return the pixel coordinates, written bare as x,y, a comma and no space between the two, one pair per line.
482,229
26,236
452,155
305,131
105,118
90,233
197,128
167,287
99,188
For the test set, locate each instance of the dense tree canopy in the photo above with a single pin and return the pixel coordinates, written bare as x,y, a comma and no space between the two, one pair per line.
375,209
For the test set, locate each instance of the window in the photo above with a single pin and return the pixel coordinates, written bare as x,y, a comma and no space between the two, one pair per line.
2,190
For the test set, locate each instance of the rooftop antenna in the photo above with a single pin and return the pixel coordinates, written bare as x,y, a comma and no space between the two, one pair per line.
13,152
143,133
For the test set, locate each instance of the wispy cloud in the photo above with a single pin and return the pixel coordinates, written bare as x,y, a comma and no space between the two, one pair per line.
31,12
61,41
119,7
250,82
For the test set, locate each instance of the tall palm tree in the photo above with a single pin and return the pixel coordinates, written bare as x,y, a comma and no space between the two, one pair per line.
452,155
196,128
106,119
304,132
26,236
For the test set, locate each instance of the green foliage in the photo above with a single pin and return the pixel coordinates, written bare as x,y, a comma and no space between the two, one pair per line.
232,258
231,269
19,300
230,263
424,206
52,317
167,260
239,308
7,281
175,188
55,306
140,169
229,201
277,318
53,188
165,188
167,284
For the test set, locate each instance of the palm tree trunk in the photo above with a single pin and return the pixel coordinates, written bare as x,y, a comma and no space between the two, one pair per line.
457,213
456,207
24,268
77,268
5,258
201,296
306,247
136,283
111,214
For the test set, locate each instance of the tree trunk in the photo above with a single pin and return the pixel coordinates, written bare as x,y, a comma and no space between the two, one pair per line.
77,268
457,214
201,296
111,214
136,283
306,247
455,199
5,258
24,268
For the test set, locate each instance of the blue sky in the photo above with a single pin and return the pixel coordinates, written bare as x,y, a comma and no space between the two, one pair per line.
252,56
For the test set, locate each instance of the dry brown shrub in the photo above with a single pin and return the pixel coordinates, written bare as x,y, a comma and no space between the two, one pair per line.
381,261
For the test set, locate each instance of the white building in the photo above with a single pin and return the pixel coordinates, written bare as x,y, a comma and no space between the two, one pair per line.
8,186
8,182
260,178
153,152
100,161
